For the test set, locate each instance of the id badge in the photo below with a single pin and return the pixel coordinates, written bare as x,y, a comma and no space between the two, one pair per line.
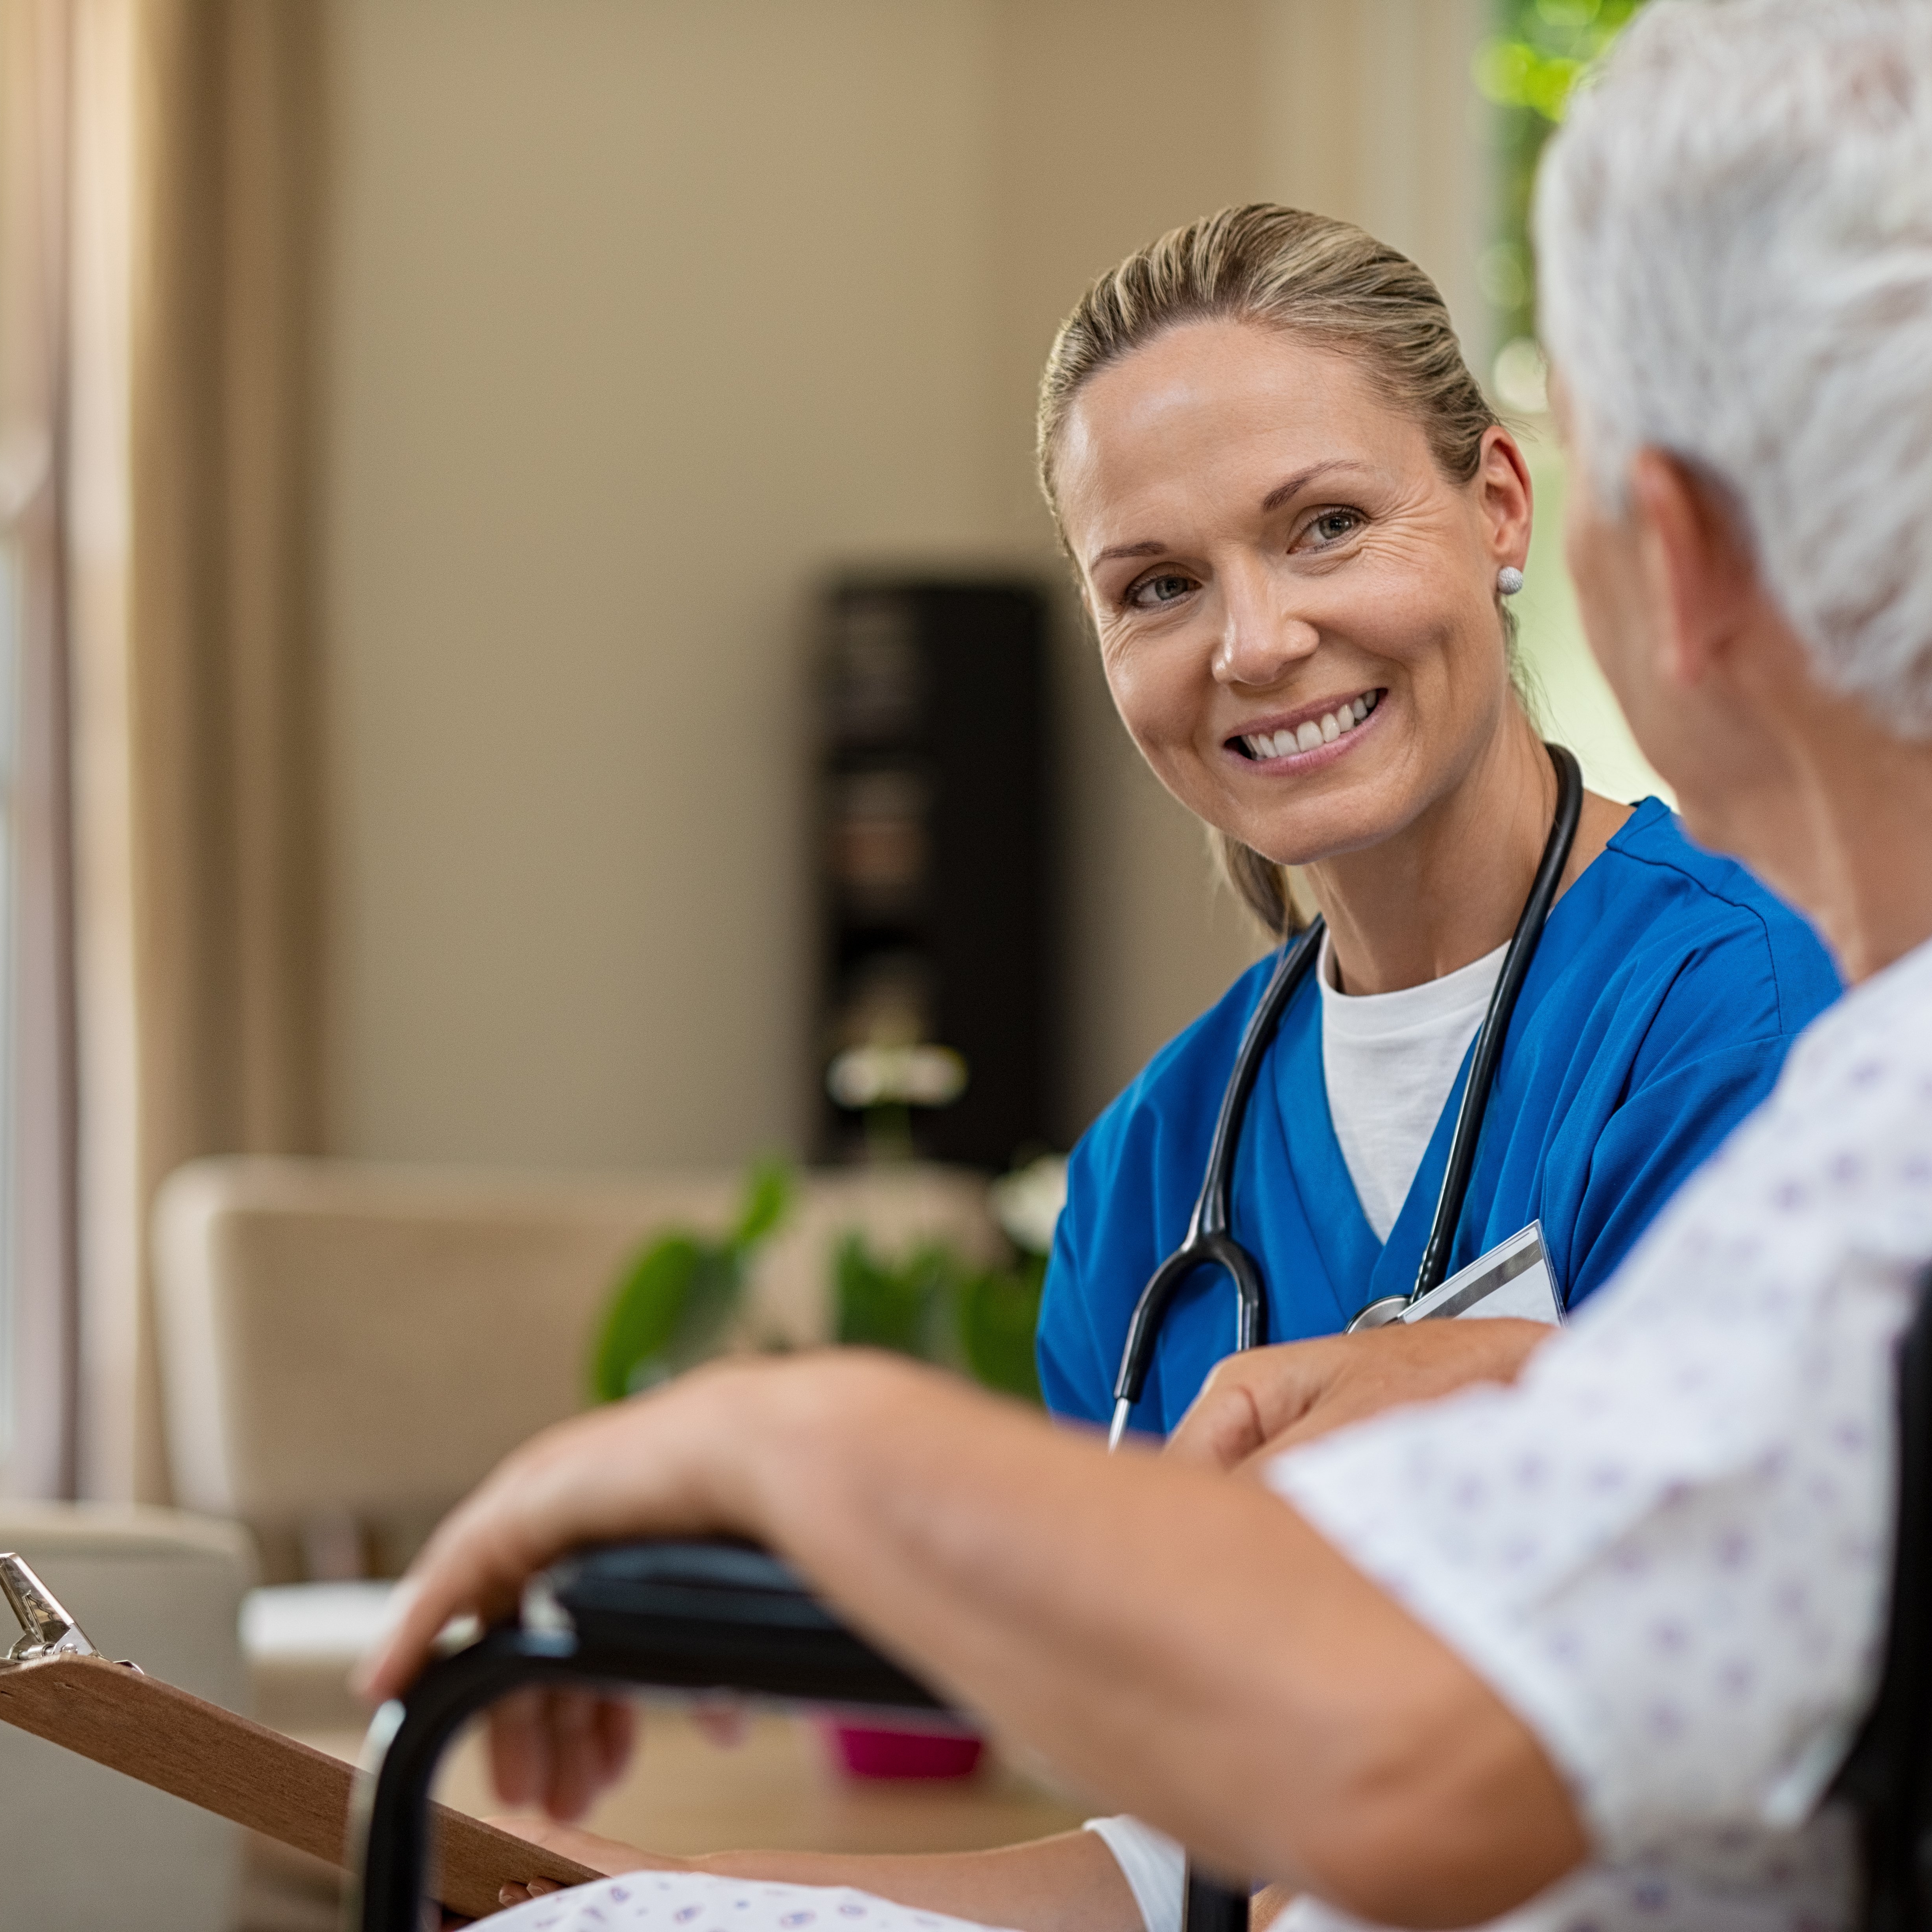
1513,1279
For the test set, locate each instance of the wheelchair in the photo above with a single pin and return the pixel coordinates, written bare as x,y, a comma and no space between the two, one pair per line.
719,1616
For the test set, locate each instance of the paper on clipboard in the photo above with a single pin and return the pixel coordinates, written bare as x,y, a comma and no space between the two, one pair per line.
1513,1279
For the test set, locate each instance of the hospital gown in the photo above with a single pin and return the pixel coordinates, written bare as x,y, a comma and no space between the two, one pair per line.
699,1902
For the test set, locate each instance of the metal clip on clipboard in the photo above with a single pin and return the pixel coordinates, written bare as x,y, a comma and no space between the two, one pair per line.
56,1685
46,1630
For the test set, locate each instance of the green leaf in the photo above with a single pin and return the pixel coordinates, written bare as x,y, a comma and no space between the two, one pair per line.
768,1198
644,1313
879,1305
998,1312
710,1301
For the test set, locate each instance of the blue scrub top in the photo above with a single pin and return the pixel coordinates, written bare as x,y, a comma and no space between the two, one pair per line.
1667,987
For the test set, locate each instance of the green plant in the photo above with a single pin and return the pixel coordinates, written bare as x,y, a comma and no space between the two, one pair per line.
1526,70
901,1306
998,1312
676,1295
933,1304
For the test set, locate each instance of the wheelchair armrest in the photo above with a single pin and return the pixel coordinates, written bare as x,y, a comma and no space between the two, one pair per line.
723,1616
693,1616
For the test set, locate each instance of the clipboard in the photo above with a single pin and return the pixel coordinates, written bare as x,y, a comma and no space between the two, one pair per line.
55,1683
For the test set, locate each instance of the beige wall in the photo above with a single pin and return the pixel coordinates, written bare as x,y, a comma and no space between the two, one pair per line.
642,315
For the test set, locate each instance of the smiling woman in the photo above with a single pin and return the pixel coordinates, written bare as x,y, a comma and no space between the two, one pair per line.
1294,519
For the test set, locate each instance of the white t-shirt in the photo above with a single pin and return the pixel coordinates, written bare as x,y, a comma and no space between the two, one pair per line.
1388,1060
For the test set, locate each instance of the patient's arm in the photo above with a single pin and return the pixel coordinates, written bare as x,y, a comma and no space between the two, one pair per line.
1255,1405
1068,1883
1187,1646
558,1748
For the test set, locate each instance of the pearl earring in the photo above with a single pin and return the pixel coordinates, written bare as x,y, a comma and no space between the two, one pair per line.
1509,580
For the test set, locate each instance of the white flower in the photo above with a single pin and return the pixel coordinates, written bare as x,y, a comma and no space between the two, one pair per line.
1028,1202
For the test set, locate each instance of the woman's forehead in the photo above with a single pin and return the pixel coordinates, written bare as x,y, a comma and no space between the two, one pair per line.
1219,406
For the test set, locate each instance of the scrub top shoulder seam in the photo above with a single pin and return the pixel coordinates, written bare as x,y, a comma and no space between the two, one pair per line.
1759,925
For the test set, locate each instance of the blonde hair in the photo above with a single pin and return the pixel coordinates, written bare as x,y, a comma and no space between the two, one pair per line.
1324,281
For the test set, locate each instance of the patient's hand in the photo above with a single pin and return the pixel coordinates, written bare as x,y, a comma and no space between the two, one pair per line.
558,1748
1255,1405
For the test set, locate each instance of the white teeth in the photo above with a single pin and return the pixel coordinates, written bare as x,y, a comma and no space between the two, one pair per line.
1312,732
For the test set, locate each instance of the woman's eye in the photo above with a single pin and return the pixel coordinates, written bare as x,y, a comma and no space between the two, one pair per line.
1150,592
1332,526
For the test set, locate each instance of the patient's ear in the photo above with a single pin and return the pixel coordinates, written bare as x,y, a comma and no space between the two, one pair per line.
1701,578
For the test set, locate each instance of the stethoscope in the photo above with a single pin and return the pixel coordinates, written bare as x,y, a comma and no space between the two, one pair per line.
1209,1243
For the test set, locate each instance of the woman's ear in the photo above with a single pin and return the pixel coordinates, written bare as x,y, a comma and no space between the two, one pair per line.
1700,578
1508,500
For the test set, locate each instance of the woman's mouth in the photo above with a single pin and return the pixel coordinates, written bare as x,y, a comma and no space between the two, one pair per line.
1310,734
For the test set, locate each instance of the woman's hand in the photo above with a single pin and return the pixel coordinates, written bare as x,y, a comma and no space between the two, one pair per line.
1255,1405
608,1856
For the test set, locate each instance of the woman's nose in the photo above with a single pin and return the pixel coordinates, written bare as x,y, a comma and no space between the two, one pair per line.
1261,639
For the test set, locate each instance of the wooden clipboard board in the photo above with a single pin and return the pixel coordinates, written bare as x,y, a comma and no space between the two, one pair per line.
242,1770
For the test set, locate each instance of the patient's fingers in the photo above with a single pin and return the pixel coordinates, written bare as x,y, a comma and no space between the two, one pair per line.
519,1747
558,1748
576,1758
722,1719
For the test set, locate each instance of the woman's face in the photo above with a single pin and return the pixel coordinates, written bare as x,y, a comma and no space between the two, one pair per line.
1296,609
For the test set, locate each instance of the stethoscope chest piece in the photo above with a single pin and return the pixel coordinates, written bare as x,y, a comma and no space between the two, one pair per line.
1383,1312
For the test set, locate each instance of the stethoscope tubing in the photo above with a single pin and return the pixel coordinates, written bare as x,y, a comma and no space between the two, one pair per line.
1209,1241
1434,1268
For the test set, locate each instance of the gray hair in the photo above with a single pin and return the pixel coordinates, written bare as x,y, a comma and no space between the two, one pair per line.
1734,230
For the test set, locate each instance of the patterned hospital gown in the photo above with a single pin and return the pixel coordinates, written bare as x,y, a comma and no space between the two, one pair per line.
1667,1547
699,1902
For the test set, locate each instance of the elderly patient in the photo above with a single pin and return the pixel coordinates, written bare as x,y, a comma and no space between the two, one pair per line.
1584,1641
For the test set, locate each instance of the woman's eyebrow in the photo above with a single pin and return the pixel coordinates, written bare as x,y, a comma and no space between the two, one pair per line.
1281,492
1147,548
1284,493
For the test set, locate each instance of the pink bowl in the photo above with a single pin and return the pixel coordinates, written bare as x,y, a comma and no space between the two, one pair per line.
863,1751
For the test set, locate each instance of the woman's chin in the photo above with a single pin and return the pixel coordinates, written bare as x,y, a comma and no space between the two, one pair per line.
1316,833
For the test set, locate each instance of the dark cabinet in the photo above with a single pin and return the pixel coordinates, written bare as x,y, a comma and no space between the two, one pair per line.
935,867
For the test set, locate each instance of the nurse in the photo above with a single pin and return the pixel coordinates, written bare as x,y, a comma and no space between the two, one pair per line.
1294,519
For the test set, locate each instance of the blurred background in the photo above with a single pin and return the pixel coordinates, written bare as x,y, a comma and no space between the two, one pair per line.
534,674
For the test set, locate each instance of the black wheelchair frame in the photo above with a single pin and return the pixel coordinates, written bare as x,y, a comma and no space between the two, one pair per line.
717,1616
